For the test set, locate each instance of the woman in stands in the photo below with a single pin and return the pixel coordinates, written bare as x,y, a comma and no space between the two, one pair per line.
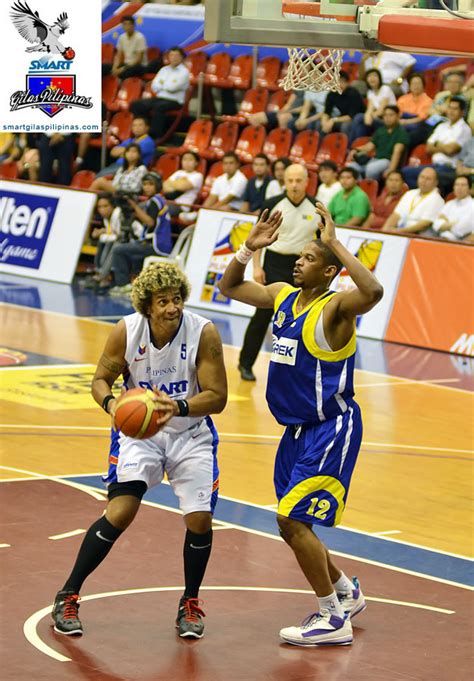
277,186
128,177
378,97
184,185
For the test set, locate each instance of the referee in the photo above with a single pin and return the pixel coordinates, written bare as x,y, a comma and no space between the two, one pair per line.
300,222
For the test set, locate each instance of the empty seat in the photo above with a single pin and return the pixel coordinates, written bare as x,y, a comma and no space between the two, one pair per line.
108,51
277,143
223,139
250,142
196,63
278,100
129,91
167,164
197,138
217,69
110,85
419,156
305,147
119,129
83,179
371,188
8,170
312,183
254,101
214,171
247,170
333,147
268,70
240,74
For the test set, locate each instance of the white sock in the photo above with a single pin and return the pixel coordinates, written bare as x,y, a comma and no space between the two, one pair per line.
343,584
332,604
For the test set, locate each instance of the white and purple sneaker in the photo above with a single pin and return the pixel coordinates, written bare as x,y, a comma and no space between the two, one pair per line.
352,603
320,629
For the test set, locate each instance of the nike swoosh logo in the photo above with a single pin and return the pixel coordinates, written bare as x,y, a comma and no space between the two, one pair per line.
199,547
98,534
139,359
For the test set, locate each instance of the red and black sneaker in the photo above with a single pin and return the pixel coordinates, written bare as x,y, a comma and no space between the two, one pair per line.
189,620
66,614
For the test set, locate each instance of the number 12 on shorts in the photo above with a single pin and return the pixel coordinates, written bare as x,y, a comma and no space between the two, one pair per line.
319,508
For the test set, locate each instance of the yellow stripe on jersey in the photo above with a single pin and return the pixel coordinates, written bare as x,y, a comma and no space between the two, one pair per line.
282,294
309,336
313,486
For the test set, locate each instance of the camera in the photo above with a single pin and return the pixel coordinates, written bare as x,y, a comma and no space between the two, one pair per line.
127,213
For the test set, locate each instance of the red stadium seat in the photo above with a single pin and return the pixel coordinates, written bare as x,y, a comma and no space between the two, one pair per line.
224,139
312,183
197,138
119,129
196,63
108,51
110,85
214,171
240,74
217,69
129,91
268,70
166,165
278,143
254,101
247,170
83,179
333,147
433,83
8,170
352,69
371,188
152,53
283,72
147,92
250,142
278,100
419,156
176,116
305,147
359,142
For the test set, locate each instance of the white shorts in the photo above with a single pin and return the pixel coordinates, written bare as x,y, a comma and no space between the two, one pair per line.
189,459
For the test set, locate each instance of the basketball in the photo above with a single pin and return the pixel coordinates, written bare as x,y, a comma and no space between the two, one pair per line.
136,415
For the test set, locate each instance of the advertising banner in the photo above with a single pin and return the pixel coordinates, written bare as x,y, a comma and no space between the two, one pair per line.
42,229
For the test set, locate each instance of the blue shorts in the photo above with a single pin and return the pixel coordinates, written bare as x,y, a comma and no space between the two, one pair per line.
313,468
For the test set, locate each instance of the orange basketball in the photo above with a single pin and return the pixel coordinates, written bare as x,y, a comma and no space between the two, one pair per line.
136,415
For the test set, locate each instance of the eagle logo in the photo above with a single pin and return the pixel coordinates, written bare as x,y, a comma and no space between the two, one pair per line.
35,30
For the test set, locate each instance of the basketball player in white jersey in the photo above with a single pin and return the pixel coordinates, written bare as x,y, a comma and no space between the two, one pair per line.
178,355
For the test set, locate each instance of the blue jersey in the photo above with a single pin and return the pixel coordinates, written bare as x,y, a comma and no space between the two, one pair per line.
307,382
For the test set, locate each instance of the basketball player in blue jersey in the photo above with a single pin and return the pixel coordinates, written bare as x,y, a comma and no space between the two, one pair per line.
179,355
310,391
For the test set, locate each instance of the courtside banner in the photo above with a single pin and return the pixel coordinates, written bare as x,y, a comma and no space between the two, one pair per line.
50,56
217,236
433,308
383,254
42,229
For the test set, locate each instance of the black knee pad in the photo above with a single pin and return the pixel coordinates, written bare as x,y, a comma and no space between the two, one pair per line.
134,488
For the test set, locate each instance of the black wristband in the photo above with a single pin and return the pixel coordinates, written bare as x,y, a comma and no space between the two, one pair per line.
105,402
183,407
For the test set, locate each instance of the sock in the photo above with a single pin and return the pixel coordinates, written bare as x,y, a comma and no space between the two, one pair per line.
343,584
196,552
97,543
332,604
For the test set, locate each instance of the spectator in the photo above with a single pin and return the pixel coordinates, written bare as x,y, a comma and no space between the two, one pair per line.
130,57
340,109
388,142
414,106
184,185
311,111
140,136
456,220
350,206
228,189
444,145
418,208
7,146
128,177
277,185
395,67
329,185
465,162
300,222
27,155
54,146
386,201
282,117
153,236
169,86
378,97
254,194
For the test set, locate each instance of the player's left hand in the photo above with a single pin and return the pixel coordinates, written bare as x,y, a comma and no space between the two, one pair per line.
165,405
328,230
265,232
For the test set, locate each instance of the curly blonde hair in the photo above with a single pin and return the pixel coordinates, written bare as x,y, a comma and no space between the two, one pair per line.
156,278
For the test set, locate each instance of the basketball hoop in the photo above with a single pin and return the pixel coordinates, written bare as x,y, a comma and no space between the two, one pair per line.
315,70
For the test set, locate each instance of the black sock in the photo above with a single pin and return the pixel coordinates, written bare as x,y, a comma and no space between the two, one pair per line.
97,543
196,552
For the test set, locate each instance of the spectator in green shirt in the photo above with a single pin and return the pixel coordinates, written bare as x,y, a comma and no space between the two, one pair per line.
388,142
350,206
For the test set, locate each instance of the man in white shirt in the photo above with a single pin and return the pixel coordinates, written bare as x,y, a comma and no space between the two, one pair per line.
417,209
394,67
330,185
228,189
183,186
130,58
169,85
456,220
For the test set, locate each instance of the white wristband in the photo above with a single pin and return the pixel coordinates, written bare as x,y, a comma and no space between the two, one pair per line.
244,255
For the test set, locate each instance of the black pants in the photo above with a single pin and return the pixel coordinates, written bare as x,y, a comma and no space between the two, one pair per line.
63,152
277,268
155,109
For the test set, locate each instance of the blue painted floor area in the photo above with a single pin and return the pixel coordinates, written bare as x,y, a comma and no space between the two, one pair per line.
355,544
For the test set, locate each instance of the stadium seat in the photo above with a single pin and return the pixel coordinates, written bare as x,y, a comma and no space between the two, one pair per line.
419,156
360,141
214,171
277,143
108,51
130,90
247,170
197,138
283,72
333,147
352,69
240,74
119,129
268,70
217,69
176,116
305,147
8,170
147,91
166,165
110,85
196,64
83,179
254,101
250,142
152,53
371,188
223,139
312,183
278,100
433,83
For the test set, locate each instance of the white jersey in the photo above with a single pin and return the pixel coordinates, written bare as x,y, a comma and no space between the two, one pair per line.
171,369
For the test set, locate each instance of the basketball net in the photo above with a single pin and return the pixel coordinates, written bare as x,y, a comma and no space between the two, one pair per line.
315,70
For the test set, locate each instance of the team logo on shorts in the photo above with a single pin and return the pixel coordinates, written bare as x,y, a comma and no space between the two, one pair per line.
280,320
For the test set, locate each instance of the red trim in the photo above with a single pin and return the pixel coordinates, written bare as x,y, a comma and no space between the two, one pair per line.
427,35
115,20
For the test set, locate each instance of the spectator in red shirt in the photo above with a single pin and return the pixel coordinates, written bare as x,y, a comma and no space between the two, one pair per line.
385,203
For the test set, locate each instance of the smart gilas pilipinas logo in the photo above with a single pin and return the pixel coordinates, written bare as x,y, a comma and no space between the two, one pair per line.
48,85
